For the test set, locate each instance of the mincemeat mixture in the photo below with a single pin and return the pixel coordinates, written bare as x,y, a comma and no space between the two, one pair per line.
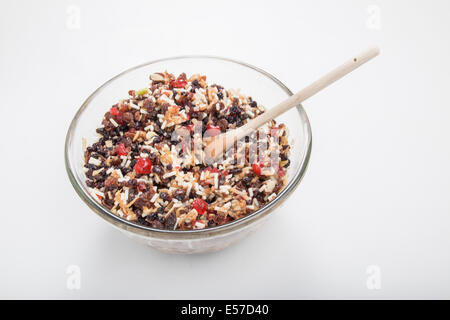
148,165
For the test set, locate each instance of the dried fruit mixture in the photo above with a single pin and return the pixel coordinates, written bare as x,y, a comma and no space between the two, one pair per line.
148,165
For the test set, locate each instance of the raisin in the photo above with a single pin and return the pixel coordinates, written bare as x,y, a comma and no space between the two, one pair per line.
236,171
164,196
246,181
157,224
170,221
179,195
223,124
158,170
128,118
157,139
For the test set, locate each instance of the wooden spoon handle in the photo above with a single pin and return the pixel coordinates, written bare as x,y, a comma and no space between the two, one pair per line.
309,91
226,140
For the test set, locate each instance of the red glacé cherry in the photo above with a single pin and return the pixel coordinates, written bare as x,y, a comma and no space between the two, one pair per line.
117,115
200,205
179,83
143,166
114,111
256,169
121,150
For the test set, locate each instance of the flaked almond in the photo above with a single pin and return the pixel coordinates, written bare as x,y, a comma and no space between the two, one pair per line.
157,77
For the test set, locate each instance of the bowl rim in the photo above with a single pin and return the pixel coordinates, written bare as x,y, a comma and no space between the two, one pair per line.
145,230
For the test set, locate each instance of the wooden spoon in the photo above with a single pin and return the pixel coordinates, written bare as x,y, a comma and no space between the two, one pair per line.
218,144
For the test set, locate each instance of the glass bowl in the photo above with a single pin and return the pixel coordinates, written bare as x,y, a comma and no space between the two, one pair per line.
260,85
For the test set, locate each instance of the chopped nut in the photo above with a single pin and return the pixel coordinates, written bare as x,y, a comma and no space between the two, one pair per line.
157,77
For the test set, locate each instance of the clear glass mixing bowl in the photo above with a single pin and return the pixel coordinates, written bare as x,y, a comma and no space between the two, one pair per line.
254,82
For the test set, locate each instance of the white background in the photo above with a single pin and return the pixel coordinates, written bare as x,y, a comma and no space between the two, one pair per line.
376,192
